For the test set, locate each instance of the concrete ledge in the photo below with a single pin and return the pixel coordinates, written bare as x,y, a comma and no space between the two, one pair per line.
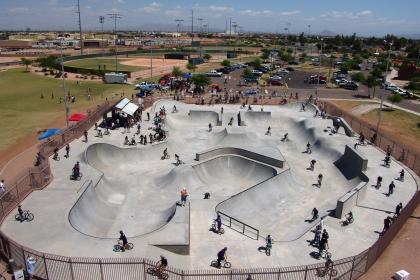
340,122
205,116
349,200
241,152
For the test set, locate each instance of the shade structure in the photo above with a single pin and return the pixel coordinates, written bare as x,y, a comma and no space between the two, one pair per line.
49,132
77,117
130,108
187,76
122,103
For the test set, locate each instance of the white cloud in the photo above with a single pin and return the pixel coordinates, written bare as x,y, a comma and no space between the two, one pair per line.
255,13
19,10
151,8
177,12
365,13
290,13
120,1
346,14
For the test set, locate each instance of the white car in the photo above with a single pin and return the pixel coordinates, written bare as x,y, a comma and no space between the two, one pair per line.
214,73
283,71
390,86
400,91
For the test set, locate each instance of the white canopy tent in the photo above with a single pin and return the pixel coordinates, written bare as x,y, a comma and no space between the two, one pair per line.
130,108
122,103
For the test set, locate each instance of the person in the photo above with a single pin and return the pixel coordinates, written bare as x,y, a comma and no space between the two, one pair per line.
148,116
312,166
67,150
308,148
133,141
210,127
151,138
20,211
314,214
230,121
401,175
138,128
285,137
398,209
174,110
178,161
161,265
85,134
126,142
349,218
124,240
317,237
55,156
328,265
249,107
100,132
387,223
325,235
378,182
391,188
362,139
30,266
323,245
2,187
221,256
302,108
321,224
184,195
165,153
269,242
76,171
221,111
320,177
387,160
268,131
218,223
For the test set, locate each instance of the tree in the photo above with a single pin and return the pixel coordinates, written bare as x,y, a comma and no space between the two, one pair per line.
26,62
247,73
200,81
370,82
225,63
176,72
256,63
207,56
395,98
191,67
49,62
358,77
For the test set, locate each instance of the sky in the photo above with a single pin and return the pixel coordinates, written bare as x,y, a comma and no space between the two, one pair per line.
364,17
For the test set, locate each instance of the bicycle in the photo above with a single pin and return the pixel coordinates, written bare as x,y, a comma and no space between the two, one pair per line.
26,216
119,247
214,228
224,263
322,272
56,157
74,178
325,254
155,271
268,249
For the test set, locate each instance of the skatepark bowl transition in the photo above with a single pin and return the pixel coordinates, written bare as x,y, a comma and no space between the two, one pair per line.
260,184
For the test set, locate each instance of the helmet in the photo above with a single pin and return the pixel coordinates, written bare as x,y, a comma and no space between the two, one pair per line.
121,232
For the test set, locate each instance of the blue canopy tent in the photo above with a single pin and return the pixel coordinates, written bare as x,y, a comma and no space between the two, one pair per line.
187,76
49,132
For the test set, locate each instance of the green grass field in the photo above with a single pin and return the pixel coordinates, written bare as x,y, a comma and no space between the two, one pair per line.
22,111
92,63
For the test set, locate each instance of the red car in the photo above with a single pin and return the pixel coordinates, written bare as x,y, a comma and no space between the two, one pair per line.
276,83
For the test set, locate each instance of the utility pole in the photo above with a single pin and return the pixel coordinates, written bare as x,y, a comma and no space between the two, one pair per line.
101,21
230,27
382,95
115,16
66,107
192,27
319,67
178,28
200,20
80,27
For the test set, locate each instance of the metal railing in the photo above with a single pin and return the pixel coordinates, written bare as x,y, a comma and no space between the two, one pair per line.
239,226
50,266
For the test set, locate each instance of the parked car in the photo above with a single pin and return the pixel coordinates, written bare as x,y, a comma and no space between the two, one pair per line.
278,78
282,71
251,80
350,85
257,72
250,91
275,82
146,86
214,73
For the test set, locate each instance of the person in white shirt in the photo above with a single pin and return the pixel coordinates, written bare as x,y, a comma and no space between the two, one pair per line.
2,187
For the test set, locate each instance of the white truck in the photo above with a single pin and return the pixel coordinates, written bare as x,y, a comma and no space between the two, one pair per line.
214,73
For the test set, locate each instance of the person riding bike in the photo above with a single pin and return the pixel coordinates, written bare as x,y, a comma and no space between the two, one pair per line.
315,214
55,157
126,142
165,153
349,218
124,240
20,211
221,256
218,222
402,175
76,170
178,161
161,265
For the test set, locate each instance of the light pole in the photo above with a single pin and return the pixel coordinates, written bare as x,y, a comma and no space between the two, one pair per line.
151,62
101,21
382,95
115,17
66,107
319,67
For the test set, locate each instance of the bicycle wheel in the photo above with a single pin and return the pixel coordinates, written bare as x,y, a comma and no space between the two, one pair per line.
17,217
164,276
333,272
29,217
150,270
227,265
130,246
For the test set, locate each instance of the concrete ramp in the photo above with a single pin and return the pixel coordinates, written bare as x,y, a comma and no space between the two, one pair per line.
101,213
257,118
340,122
204,117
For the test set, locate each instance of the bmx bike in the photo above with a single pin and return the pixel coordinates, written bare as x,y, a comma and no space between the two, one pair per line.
268,249
325,254
155,271
322,272
26,216
214,228
74,178
224,263
346,222
120,248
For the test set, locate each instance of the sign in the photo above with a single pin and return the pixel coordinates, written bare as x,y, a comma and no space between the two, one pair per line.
18,274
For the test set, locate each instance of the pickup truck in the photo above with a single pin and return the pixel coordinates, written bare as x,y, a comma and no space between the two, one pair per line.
146,86
214,73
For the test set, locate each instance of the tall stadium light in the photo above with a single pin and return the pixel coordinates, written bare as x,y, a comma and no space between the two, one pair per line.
115,16
382,95
319,67
66,106
178,28
101,21
80,27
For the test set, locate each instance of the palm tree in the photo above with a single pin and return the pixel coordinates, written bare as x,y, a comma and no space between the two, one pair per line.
191,67
176,72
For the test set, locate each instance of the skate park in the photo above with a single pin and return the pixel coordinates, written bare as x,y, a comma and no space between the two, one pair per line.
260,184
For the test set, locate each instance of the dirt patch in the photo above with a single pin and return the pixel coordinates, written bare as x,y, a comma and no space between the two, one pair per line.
157,62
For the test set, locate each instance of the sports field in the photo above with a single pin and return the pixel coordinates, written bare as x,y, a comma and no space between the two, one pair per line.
24,112
109,62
